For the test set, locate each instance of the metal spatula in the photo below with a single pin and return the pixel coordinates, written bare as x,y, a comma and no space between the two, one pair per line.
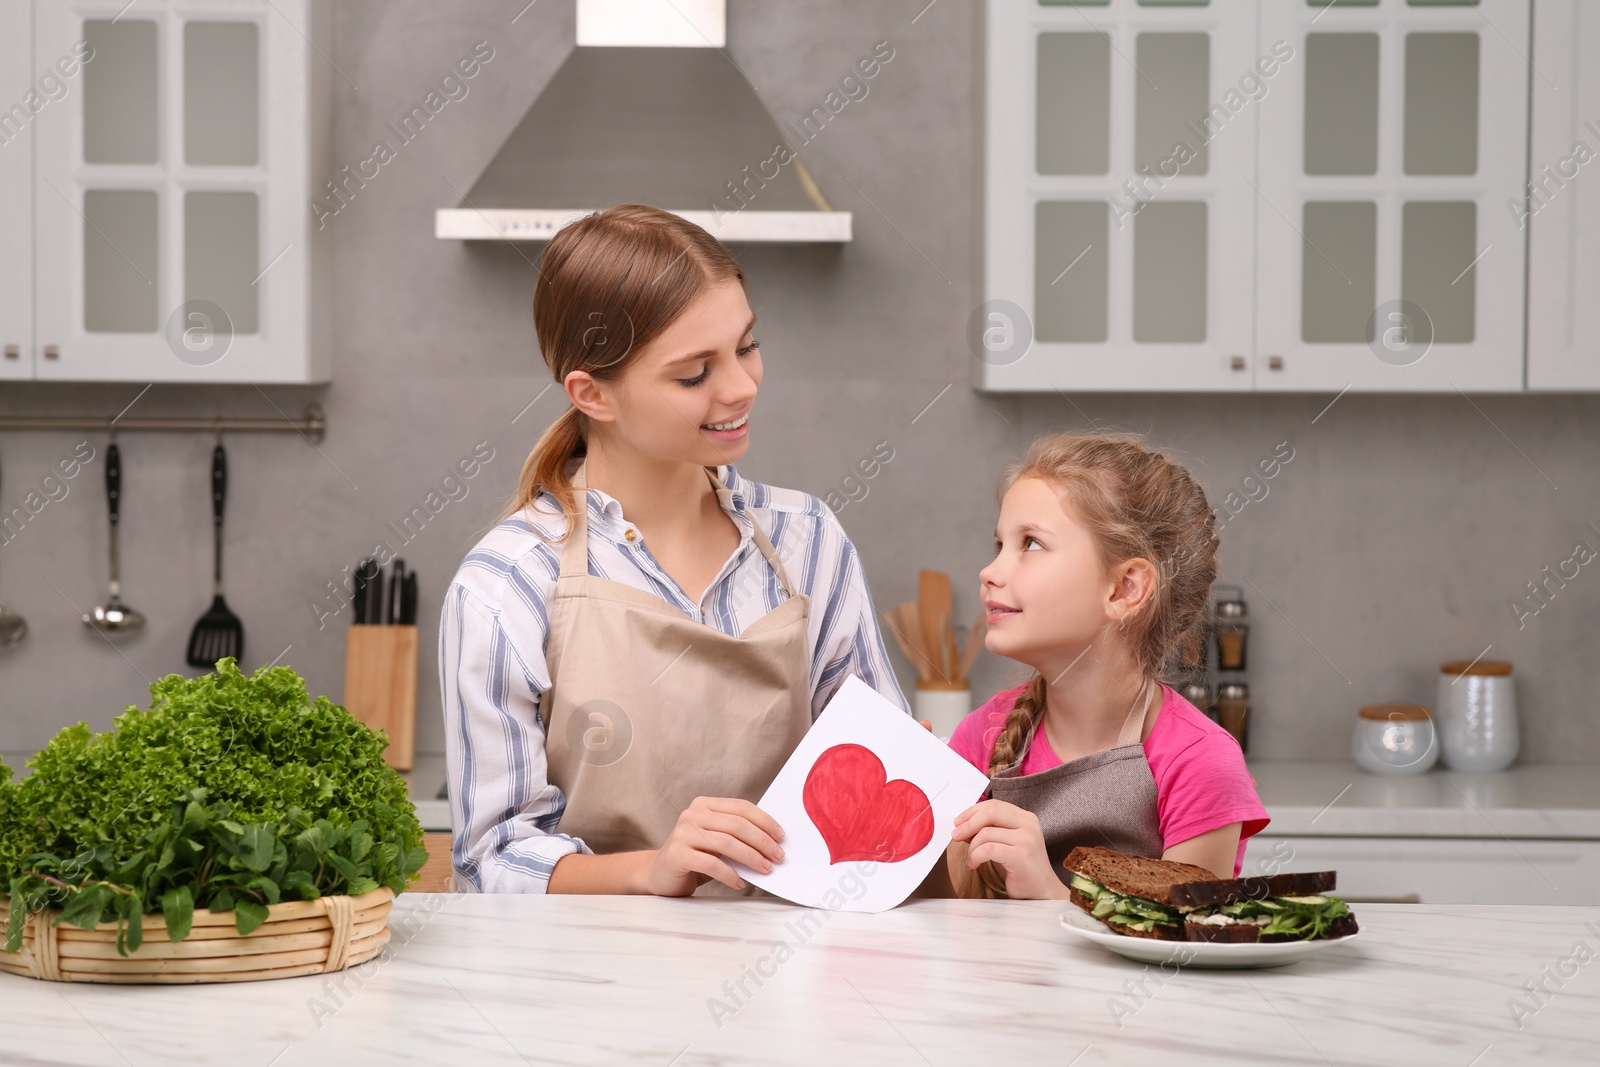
218,632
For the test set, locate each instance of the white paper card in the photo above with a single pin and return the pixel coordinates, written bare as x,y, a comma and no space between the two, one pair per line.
867,802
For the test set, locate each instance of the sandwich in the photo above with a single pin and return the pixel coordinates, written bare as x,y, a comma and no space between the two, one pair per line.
1169,901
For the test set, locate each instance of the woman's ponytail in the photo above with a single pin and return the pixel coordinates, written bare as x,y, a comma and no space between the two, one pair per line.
546,466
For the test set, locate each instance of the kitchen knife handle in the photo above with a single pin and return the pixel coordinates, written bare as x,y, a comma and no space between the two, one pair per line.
358,594
408,600
396,580
375,606
113,480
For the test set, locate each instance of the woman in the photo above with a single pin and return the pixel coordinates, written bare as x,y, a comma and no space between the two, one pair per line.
630,656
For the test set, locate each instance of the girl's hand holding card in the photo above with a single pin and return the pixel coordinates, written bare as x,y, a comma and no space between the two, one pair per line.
1012,839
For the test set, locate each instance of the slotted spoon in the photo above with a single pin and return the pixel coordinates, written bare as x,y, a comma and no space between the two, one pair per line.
217,633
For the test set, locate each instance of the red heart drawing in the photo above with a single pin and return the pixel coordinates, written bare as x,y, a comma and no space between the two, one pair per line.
861,814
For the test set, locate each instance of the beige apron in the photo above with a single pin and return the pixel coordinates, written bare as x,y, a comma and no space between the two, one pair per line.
649,709
1107,798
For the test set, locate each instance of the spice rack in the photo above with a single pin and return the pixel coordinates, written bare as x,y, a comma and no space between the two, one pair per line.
1224,695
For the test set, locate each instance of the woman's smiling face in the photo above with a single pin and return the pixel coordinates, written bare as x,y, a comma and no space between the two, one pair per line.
1047,591
687,395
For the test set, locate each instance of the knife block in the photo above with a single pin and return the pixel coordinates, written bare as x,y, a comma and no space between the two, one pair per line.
380,686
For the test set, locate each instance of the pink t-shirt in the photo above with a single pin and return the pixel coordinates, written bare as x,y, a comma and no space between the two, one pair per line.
1201,779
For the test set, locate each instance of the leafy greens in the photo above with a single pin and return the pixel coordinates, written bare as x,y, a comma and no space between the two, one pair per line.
229,793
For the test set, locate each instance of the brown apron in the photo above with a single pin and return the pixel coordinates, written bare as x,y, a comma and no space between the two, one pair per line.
1106,798
649,709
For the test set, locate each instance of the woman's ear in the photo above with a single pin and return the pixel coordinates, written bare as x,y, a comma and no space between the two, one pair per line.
588,396
1134,584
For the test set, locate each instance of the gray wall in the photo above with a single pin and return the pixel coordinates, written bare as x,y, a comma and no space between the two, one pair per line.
1393,540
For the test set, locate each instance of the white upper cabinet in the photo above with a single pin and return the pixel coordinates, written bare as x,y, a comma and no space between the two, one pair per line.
22,96
1386,258
174,243
1118,232
1184,195
1561,203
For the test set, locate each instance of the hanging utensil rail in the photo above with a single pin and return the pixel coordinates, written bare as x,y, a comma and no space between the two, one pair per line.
311,426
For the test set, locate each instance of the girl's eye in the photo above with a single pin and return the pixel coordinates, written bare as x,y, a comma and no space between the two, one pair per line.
1026,541
749,348
690,383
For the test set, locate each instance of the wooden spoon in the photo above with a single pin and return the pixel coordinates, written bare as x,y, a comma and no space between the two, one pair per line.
937,617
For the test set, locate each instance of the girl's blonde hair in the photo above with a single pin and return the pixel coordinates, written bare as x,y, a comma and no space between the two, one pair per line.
1136,502
609,284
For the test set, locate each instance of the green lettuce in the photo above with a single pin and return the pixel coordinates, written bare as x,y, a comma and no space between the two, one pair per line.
228,792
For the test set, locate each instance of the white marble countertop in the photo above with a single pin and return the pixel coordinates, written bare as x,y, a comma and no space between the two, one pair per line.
605,980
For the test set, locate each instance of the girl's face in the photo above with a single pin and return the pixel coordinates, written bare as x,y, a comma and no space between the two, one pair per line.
1047,593
687,395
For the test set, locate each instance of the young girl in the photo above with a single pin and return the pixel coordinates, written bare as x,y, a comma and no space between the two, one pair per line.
630,656
1104,558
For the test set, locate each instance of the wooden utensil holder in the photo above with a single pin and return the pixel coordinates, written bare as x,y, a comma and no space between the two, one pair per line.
380,686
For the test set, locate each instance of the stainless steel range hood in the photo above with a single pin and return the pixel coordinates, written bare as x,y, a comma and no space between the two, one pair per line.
648,109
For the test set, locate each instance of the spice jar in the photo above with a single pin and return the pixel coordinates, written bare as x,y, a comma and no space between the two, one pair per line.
1233,711
1230,631
1199,694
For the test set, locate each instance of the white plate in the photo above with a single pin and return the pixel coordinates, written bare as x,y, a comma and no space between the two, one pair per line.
1213,954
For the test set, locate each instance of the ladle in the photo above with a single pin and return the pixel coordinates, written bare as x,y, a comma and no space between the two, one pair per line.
114,616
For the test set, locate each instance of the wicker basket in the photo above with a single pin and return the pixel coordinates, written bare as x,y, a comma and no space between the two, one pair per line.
299,937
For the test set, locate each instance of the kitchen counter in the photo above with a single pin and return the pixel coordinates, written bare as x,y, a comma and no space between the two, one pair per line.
1321,799
1336,799
1339,799
525,979
426,775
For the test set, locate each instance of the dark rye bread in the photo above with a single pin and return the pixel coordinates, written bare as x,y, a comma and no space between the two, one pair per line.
1184,885
1156,933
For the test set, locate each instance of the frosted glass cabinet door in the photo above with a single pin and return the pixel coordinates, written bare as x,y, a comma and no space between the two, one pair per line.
1561,204
1121,141
1387,260
173,238
17,87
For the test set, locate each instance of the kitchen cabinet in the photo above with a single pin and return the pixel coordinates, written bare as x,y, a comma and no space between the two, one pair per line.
1561,203
20,100
1118,215
1424,870
1277,196
1386,259
174,242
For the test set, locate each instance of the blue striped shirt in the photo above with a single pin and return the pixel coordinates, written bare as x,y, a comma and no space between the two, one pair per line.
505,811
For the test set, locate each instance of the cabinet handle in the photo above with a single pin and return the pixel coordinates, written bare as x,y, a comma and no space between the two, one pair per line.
52,351
13,351
1236,362
1274,362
